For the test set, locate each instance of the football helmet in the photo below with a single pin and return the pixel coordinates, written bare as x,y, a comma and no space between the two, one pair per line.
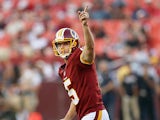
65,35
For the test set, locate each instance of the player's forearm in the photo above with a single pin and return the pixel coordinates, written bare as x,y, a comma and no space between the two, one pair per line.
88,37
71,112
88,52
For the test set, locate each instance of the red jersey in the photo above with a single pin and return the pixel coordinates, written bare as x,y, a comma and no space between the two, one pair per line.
80,81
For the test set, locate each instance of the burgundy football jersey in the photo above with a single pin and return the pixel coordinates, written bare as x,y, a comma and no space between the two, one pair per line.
80,81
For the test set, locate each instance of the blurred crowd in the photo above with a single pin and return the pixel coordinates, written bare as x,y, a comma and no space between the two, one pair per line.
127,41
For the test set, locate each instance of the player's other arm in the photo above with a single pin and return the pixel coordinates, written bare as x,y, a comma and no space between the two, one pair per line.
88,55
71,112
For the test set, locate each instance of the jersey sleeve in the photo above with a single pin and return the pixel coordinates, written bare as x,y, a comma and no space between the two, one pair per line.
80,64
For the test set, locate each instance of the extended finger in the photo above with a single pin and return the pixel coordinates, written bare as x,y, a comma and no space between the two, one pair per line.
86,9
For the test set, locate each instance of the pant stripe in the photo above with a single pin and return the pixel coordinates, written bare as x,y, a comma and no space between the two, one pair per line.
98,115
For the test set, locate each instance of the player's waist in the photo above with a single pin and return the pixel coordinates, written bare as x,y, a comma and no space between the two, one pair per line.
83,112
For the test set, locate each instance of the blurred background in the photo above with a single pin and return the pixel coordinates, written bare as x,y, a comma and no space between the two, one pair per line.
127,45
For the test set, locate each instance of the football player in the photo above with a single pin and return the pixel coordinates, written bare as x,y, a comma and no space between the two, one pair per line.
79,73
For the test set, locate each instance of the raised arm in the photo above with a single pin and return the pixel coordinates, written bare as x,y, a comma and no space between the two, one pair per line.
88,54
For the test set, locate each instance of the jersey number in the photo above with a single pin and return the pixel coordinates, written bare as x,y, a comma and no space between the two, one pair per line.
71,92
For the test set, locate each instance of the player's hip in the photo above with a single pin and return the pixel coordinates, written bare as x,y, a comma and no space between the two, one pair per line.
97,115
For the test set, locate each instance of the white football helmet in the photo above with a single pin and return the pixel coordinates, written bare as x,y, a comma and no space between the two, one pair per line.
65,35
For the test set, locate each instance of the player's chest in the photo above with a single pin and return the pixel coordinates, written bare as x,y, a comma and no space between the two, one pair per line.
70,71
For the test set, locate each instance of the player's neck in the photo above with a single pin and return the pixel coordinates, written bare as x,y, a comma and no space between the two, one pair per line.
65,60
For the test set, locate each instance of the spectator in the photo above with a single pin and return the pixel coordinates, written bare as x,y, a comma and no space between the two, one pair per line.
117,9
146,85
5,112
139,12
98,11
98,30
19,97
129,93
107,87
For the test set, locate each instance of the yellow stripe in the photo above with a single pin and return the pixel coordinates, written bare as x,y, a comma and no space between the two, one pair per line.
100,115
85,62
60,32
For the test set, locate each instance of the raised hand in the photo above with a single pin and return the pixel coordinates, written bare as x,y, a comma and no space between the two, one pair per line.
83,15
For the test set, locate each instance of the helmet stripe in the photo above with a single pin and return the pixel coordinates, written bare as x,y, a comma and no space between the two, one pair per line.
60,33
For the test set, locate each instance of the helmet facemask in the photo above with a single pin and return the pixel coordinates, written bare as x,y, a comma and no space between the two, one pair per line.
72,44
